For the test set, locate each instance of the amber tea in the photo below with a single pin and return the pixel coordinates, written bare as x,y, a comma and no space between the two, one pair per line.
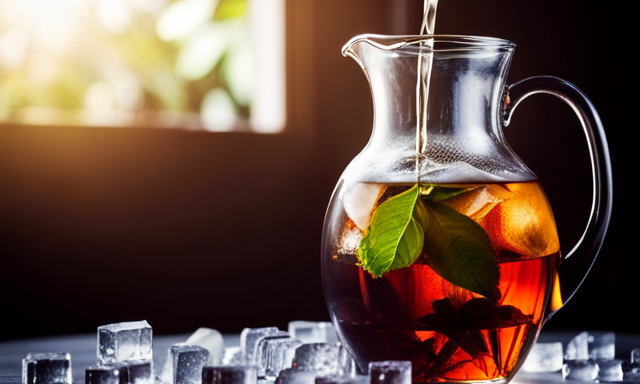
459,291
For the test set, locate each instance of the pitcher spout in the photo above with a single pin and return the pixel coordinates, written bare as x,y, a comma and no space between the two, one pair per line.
354,47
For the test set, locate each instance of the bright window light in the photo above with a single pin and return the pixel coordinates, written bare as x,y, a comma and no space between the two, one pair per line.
216,65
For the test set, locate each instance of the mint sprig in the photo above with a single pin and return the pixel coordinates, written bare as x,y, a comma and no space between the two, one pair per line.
412,223
395,237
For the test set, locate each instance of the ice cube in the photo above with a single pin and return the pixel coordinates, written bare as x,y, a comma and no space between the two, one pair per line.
139,372
313,331
130,372
578,347
296,376
274,354
46,368
632,367
390,372
631,370
129,341
635,355
359,200
602,345
321,358
107,374
184,364
212,341
610,370
349,242
232,356
544,357
249,338
526,222
229,375
580,370
476,203
358,379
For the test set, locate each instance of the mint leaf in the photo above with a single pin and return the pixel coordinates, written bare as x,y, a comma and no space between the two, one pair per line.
460,251
394,238
438,192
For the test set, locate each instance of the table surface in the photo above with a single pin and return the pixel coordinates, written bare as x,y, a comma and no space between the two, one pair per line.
83,353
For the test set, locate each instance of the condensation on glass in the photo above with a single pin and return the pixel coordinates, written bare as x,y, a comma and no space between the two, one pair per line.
215,65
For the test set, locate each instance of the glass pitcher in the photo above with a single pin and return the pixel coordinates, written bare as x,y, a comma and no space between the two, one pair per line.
439,244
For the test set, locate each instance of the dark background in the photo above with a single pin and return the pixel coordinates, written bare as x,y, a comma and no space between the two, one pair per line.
189,229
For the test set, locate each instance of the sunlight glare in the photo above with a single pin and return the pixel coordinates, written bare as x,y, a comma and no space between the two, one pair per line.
53,23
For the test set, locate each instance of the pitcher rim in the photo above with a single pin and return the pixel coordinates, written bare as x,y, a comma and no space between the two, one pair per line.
410,43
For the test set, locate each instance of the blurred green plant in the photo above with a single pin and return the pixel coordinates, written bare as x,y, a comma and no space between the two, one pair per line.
142,56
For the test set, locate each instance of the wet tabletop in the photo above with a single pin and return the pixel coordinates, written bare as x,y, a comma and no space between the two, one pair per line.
83,353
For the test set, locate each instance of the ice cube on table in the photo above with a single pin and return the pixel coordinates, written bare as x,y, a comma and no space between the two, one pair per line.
313,331
107,374
46,368
249,338
584,370
390,372
635,355
139,372
255,359
631,372
578,347
229,375
212,341
323,359
128,372
232,356
274,354
544,357
128,341
348,379
184,364
631,369
610,370
295,376
602,345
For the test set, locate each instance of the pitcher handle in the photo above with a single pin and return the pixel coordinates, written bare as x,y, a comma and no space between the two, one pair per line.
582,256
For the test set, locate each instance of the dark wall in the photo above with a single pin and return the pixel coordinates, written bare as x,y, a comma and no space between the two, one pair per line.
188,229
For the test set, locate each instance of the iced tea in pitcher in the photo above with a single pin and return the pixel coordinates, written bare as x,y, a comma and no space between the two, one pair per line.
439,245
455,278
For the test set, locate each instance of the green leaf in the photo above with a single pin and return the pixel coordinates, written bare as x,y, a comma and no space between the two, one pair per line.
460,251
231,9
394,238
437,192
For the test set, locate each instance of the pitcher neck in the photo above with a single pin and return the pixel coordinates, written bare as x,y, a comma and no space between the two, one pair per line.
462,80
